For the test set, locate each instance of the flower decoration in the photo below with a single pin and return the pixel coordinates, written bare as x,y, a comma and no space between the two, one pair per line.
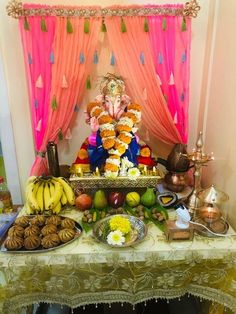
133,173
115,238
120,223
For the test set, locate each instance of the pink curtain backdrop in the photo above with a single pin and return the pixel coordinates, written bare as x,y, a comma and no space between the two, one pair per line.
171,55
66,72
134,58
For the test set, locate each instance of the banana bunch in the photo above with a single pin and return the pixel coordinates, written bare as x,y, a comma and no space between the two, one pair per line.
48,194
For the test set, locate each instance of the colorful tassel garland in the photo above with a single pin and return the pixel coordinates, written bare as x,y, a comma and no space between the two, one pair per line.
69,27
54,103
146,26
184,57
39,82
51,58
26,24
182,97
123,26
164,24
142,58
184,25
81,58
95,57
86,26
113,59
68,135
160,58
60,135
159,79
64,83
104,28
39,126
36,103
175,118
88,83
171,80
30,60
43,25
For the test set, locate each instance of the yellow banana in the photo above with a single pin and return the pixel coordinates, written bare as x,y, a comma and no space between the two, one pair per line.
57,208
46,195
31,179
52,188
63,199
31,195
55,198
29,210
40,197
68,190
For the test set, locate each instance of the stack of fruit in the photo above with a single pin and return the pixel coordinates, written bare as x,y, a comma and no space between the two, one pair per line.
48,195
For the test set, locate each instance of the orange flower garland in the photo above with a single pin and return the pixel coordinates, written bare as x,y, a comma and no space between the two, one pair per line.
116,137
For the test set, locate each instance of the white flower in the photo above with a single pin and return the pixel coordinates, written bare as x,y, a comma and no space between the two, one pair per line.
126,163
115,238
133,173
111,174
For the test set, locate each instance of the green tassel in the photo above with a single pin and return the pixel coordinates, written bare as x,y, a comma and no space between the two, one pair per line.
164,24
54,103
184,25
104,28
86,26
146,26
43,25
88,83
69,27
123,26
26,24
60,135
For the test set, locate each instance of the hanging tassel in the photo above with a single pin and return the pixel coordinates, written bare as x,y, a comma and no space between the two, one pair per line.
145,94
175,118
104,28
182,96
64,83
51,58
142,58
95,57
60,135
69,27
68,135
164,24
165,96
26,24
76,108
88,83
184,57
113,59
30,60
39,82
160,58
171,80
81,58
86,26
54,103
39,126
146,26
159,79
184,25
123,26
36,103
43,25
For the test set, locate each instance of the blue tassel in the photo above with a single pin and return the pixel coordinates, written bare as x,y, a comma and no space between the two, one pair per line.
30,60
95,57
182,96
36,103
76,108
51,57
142,58
81,58
184,57
113,59
160,58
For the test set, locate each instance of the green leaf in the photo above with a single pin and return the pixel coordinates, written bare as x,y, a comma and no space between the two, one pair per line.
86,226
184,25
164,24
26,24
54,103
123,26
69,27
88,83
146,26
43,25
86,26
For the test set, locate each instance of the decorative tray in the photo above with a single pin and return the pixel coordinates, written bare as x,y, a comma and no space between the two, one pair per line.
219,226
138,230
40,233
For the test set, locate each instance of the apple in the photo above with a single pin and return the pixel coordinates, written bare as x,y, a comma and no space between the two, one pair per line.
83,202
116,199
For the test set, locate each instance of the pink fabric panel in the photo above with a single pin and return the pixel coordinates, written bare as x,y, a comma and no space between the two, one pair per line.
171,55
141,79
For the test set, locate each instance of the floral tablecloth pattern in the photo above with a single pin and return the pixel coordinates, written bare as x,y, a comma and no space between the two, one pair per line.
87,272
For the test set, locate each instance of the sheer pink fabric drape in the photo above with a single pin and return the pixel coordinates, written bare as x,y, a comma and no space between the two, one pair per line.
171,55
135,63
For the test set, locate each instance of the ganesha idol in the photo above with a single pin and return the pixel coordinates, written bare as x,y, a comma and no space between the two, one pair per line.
113,119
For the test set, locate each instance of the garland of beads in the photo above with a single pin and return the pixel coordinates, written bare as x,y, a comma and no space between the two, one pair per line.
116,137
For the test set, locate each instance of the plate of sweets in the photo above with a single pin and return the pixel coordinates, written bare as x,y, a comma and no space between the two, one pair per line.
38,233
120,230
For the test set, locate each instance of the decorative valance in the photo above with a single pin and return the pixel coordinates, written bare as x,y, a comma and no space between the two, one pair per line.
16,9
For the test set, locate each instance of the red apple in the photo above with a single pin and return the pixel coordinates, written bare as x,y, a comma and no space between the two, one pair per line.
116,199
83,202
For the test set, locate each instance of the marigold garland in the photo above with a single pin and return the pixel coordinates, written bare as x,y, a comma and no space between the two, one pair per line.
116,136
